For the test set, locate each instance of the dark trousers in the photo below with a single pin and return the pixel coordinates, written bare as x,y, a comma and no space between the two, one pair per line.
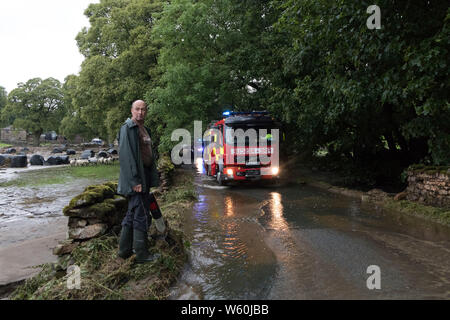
140,206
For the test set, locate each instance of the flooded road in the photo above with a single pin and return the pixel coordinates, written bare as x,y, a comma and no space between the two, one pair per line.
300,242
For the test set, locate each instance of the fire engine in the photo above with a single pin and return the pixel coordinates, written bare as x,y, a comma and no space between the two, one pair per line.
242,146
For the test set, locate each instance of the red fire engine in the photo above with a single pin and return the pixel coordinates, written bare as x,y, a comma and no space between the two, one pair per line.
242,146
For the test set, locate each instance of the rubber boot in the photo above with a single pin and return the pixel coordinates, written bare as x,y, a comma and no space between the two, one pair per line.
141,249
126,242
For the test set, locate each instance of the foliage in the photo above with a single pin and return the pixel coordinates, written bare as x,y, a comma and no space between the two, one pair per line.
436,214
72,124
3,101
378,99
118,65
369,100
209,61
36,106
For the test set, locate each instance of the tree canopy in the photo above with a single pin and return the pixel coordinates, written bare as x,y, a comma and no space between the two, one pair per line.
213,57
374,100
119,63
36,106
373,96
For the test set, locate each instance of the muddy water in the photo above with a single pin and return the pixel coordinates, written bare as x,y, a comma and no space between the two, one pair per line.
299,242
32,212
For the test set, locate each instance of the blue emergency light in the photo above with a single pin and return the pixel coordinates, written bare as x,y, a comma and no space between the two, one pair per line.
244,113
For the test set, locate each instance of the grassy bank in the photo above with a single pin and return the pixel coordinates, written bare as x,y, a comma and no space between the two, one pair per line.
439,215
105,276
60,175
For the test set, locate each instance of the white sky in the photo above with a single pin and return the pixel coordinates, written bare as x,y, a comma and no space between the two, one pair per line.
37,39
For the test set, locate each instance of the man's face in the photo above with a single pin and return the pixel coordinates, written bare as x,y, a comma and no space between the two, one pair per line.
138,112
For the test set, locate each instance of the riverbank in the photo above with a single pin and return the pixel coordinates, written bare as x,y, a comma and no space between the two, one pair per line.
331,181
105,276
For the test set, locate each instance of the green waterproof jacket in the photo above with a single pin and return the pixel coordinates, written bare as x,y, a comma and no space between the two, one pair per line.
131,164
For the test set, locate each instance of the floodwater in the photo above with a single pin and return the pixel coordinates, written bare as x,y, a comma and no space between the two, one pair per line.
261,242
300,242
31,212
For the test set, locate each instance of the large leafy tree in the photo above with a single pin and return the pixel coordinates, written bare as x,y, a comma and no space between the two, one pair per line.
376,98
119,62
213,56
37,106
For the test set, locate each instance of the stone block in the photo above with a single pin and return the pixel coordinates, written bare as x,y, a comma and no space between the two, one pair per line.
88,232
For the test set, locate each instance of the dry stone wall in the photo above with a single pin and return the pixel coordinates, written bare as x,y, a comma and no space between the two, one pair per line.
429,185
93,213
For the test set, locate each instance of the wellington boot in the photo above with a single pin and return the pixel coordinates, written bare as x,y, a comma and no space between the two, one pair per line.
141,249
126,242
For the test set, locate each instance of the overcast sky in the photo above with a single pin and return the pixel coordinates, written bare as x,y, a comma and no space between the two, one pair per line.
37,39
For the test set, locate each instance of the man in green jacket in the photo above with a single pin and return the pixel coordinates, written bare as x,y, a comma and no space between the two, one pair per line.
138,174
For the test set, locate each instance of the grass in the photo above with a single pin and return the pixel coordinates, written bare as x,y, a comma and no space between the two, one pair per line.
105,276
440,215
5,145
60,175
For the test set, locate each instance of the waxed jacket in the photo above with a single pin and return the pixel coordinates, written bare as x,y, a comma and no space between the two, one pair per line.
131,164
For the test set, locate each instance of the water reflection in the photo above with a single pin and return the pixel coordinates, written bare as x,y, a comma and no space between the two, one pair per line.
277,222
229,206
199,165
226,248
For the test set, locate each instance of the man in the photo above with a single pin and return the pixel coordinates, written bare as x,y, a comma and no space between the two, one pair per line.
137,175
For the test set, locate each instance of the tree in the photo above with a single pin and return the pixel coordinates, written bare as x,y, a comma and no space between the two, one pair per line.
213,56
72,124
37,106
3,101
119,64
377,99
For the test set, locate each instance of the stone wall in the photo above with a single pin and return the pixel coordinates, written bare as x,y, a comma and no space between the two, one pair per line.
429,185
93,213
13,135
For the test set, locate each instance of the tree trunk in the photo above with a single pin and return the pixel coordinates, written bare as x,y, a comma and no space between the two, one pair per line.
36,139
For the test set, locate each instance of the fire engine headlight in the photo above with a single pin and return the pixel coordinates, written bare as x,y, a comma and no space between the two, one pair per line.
275,171
230,172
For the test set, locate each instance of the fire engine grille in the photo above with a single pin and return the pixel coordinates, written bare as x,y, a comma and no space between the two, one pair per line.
252,173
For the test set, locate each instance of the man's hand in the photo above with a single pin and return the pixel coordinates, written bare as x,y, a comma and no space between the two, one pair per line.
137,188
